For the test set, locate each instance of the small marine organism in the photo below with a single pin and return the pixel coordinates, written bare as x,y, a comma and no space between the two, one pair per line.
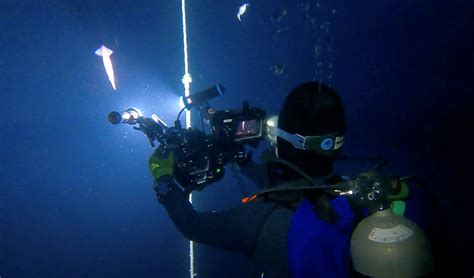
105,53
242,10
278,69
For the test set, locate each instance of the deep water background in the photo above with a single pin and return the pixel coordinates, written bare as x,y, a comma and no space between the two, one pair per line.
75,194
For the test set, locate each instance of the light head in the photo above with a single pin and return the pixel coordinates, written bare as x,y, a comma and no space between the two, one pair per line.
130,116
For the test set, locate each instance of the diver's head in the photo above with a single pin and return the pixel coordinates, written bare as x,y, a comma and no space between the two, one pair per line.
311,125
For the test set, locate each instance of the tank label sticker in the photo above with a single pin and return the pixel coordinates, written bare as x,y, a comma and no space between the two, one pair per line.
395,234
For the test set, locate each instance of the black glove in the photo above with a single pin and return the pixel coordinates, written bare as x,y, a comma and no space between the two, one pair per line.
166,188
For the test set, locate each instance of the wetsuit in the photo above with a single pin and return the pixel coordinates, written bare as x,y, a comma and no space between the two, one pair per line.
258,229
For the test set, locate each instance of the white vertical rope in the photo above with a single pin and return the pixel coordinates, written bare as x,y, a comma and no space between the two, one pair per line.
186,82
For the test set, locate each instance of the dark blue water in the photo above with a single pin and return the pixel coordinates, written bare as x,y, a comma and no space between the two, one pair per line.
75,193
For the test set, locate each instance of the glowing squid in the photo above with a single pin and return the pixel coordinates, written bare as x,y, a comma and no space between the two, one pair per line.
242,10
105,53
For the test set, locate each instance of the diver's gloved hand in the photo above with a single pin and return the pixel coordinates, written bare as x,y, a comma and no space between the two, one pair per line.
161,167
161,163
166,189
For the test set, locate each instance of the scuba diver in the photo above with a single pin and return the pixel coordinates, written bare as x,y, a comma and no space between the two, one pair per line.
288,229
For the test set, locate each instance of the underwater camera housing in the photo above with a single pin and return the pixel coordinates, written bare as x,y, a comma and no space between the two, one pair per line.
201,154
236,126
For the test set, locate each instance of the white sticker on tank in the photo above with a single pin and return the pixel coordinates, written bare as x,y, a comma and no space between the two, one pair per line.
395,234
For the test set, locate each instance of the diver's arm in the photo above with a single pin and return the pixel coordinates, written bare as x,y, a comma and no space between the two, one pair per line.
234,229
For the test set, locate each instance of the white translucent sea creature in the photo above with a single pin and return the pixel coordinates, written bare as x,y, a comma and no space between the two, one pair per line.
105,53
242,10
